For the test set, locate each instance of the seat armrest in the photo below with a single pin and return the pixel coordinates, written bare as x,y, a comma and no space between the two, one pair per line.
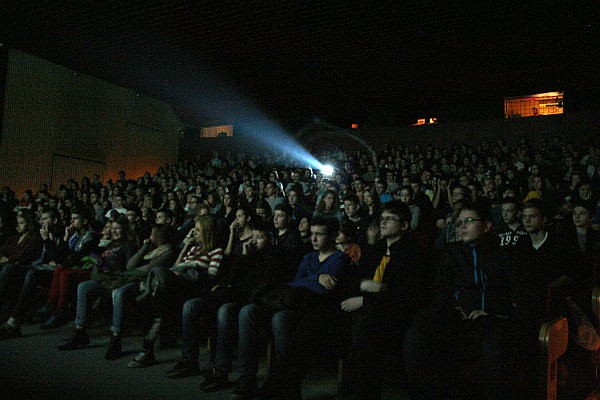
596,303
553,339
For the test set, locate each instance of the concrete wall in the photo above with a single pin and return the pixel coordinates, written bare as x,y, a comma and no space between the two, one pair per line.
578,128
58,123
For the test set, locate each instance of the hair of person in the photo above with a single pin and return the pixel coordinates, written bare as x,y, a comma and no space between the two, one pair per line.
409,188
52,212
232,195
248,212
587,204
286,208
126,228
476,184
308,221
263,205
29,218
336,200
136,210
537,204
165,234
260,225
83,212
330,223
168,213
207,232
349,229
352,198
398,208
297,187
202,206
511,200
480,208
382,182
373,192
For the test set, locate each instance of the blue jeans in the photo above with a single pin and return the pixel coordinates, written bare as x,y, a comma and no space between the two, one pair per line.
84,291
94,288
120,296
33,278
195,316
252,317
227,332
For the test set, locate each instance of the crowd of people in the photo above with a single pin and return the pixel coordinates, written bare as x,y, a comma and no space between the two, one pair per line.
438,260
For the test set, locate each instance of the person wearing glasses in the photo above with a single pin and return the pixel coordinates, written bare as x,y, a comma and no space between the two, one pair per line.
391,284
471,341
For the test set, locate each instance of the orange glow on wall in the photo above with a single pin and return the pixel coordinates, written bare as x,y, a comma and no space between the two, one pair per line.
216,131
354,126
534,105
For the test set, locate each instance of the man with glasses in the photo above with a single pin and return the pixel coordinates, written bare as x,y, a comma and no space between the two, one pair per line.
390,286
479,321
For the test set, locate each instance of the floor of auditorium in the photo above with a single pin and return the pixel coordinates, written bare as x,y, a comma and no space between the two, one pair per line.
32,368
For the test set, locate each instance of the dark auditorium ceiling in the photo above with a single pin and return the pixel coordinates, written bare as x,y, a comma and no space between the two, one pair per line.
344,61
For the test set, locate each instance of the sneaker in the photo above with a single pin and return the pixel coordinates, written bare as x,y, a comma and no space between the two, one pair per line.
183,369
114,350
8,331
246,388
142,359
215,381
79,340
53,322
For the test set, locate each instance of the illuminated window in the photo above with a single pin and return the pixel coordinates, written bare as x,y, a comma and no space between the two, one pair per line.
216,131
354,126
550,103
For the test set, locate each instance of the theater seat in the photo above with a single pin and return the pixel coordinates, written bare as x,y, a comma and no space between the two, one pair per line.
596,312
552,341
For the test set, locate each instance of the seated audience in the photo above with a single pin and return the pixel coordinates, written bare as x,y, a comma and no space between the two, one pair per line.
477,319
318,282
196,271
105,270
260,266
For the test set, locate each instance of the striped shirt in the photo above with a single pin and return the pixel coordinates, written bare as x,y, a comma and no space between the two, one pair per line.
210,260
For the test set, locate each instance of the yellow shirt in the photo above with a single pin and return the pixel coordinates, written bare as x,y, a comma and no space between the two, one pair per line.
381,269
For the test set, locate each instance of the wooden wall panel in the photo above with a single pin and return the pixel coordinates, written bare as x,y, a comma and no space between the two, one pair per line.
50,110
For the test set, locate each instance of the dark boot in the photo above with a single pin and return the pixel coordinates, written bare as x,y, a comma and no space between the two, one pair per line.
246,388
114,350
145,357
79,340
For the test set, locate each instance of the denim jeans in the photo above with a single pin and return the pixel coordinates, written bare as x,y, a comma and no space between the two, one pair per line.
84,291
194,321
94,288
227,333
252,317
120,296
33,279
11,277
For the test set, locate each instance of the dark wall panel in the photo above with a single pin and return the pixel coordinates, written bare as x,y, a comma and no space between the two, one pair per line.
50,110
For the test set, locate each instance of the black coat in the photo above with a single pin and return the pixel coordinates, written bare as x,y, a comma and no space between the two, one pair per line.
408,277
499,285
